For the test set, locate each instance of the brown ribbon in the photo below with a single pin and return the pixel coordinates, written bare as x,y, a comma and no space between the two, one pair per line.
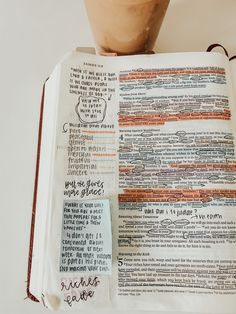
211,47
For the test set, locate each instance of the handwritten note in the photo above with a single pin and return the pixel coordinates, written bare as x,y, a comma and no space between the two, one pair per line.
78,290
86,244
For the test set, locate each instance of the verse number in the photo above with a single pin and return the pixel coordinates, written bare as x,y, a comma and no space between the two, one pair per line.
120,262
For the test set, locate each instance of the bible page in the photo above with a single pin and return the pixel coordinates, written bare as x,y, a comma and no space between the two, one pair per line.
142,212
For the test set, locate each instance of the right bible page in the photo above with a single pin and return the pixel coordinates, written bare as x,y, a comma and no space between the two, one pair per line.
176,221
233,75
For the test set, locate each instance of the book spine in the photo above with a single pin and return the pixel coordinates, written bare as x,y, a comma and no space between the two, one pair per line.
29,294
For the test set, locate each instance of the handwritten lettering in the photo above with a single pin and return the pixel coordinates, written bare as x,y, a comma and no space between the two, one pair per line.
94,282
77,296
93,188
84,188
84,295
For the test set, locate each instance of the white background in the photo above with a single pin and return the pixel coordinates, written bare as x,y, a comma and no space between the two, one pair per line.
34,35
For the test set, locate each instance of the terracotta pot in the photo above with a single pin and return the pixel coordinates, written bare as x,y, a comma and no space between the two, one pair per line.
125,26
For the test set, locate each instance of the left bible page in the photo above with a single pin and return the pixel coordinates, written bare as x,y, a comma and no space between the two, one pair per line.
78,244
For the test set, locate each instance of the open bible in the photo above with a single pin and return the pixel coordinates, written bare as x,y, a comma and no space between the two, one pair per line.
135,194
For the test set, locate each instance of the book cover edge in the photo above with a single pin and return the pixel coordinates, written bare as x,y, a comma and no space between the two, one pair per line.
31,241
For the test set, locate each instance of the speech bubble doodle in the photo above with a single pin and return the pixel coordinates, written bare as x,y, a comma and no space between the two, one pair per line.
91,109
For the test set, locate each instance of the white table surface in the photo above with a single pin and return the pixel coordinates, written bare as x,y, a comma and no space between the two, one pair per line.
34,35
